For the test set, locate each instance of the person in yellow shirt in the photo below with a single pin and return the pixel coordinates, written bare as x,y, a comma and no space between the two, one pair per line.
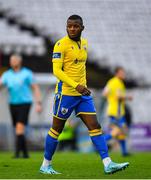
71,94
115,93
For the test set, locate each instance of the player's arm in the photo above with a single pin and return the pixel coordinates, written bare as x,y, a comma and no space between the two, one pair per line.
59,73
3,81
36,91
106,92
37,96
1,84
57,59
123,97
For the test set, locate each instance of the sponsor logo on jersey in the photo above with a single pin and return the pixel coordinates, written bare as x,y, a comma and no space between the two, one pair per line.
76,61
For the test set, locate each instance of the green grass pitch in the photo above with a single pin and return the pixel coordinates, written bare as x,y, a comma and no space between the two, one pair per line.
73,166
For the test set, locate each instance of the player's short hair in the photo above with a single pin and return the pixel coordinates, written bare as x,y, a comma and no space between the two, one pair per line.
76,17
117,69
18,56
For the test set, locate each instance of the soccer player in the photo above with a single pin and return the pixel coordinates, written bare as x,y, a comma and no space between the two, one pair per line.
69,66
20,83
115,92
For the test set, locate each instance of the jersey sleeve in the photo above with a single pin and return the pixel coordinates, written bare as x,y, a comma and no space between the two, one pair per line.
57,71
58,52
31,78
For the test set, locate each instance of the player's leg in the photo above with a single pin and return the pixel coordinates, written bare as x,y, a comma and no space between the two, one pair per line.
63,107
20,139
86,111
113,129
52,138
96,134
14,121
51,143
122,136
122,141
114,132
100,144
118,131
23,113
19,115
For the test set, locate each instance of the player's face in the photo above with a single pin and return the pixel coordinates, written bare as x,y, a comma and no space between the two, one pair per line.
121,74
15,62
74,28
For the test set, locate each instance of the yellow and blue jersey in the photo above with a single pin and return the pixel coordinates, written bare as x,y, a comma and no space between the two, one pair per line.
115,107
73,55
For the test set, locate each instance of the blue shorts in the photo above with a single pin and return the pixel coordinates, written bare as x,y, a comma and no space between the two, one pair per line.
65,105
118,122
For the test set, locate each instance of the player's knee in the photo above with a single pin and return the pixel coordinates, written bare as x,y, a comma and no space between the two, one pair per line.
58,128
20,128
117,133
58,124
121,137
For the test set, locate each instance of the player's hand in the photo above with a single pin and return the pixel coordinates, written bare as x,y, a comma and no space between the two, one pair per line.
38,107
83,90
130,98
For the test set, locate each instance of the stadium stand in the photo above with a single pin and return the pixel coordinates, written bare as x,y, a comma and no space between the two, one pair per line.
141,105
117,30
12,38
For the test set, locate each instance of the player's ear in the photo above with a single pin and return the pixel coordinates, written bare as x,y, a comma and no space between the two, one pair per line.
82,27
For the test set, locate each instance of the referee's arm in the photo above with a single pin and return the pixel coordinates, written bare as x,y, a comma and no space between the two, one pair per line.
1,83
37,95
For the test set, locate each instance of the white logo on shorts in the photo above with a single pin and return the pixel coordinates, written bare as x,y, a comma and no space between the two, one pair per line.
64,110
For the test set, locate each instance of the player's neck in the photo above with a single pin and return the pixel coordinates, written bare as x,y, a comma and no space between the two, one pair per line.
76,38
119,78
16,69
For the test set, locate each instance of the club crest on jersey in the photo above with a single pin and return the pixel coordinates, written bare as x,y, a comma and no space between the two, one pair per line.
64,110
56,55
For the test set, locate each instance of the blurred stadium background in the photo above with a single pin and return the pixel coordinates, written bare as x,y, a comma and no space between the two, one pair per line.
119,33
